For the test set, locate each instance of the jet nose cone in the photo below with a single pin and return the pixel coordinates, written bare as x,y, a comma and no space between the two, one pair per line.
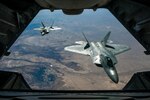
113,75
115,79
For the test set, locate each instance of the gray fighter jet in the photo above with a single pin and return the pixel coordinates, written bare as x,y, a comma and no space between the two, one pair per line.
46,29
102,54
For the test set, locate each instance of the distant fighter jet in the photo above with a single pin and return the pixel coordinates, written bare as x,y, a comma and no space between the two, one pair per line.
46,29
102,54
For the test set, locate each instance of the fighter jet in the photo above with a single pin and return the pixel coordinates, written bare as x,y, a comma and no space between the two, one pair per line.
46,29
103,54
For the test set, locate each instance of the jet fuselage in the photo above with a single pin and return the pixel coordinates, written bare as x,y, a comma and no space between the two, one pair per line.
103,57
97,49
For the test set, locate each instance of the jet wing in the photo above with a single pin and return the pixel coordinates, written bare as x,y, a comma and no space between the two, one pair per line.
78,49
38,29
55,28
117,48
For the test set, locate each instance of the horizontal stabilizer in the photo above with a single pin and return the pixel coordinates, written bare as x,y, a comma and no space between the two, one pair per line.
80,42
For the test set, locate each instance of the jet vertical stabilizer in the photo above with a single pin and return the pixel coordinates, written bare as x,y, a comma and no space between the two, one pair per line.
104,41
52,25
88,44
43,24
